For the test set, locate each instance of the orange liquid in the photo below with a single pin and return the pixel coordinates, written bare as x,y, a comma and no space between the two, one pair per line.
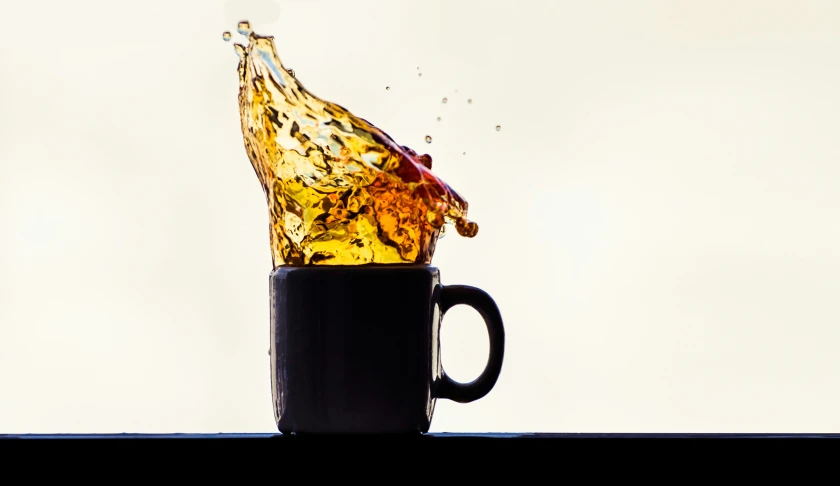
339,190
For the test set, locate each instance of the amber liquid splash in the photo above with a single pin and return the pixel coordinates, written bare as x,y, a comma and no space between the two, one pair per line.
339,190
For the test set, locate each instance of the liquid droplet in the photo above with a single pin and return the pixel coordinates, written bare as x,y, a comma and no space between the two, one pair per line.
419,75
465,153
438,119
428,139
244,27
469,101
387,88
498,128
444,100
418,68
466,227
291,71
226,36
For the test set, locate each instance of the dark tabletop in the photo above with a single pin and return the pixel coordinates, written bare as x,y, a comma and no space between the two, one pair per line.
439,436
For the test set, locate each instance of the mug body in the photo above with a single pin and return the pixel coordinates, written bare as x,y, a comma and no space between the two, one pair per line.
355,349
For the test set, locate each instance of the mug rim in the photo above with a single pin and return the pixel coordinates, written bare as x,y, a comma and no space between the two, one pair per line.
364,266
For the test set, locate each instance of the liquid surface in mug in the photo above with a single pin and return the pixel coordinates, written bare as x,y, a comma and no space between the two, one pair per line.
339,190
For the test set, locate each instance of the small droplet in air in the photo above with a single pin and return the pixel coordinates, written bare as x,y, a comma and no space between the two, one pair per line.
438,118
226,36
291,71
428,139
419,75
469,101
418,68
465,153
387,88
498,128
244,27
444,100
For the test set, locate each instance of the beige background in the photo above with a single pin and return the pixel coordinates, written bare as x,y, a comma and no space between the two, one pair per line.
658,213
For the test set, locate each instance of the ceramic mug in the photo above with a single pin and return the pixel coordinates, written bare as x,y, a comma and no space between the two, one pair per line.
356,349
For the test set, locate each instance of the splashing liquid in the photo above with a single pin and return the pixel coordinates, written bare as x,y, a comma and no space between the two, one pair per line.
339,190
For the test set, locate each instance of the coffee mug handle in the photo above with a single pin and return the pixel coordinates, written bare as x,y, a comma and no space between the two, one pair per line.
452,295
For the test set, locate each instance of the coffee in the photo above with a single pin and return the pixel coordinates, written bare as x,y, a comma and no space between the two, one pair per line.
339,190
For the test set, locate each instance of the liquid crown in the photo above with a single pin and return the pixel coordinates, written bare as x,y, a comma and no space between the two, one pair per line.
339,190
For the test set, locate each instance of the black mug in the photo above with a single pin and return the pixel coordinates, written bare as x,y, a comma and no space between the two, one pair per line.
356,349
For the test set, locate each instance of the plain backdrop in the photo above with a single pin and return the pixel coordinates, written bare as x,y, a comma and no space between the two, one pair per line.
658,213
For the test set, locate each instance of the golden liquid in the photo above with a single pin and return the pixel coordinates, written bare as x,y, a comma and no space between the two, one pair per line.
339,190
